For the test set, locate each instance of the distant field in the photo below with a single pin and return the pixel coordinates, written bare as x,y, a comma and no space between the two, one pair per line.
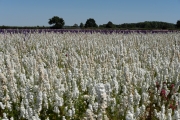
83,30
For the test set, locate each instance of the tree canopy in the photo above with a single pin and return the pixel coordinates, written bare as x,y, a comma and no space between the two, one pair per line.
56,22
110,25
90,23
81,25
75,25
147,25
178,24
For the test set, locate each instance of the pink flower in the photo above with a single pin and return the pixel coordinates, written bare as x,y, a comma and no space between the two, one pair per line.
163,93
172,106
172,86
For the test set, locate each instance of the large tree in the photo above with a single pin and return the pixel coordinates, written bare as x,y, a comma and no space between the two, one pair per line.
56,22
110,25
178,24
81,25
90,23
75,25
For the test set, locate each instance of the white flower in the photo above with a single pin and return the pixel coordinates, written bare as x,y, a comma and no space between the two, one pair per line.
36,117
22,110
130,100
58,100
30,111
11,118
176,115
4,116
3,79
169,114
176,88
39,98
2,106
116,85
56,109
145,97
89,114
101,95
143,108
100,116
70,114
124,89
105,117
63,118
129,116
137,113
8,105
137,97
156,113
95,106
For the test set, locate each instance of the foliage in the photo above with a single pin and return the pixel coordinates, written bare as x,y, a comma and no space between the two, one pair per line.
81,25
56,22
178,24
75,26
110,25
148,25
91,23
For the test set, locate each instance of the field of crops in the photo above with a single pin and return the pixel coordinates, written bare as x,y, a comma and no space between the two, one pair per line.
89,76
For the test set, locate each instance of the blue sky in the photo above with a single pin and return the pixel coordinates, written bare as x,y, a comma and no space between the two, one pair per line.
38,12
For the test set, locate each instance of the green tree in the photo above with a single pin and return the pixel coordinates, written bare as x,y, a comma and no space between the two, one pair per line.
178,24
81,25
75,25
56,22
110,25
90,23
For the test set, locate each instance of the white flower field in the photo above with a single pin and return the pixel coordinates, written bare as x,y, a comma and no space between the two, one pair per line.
84,76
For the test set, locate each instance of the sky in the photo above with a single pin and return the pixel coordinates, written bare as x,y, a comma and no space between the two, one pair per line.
38,12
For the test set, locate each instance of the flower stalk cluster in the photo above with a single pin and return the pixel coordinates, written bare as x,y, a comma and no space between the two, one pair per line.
90,76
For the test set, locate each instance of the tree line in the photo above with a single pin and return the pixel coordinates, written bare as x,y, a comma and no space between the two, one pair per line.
91,23
59,23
